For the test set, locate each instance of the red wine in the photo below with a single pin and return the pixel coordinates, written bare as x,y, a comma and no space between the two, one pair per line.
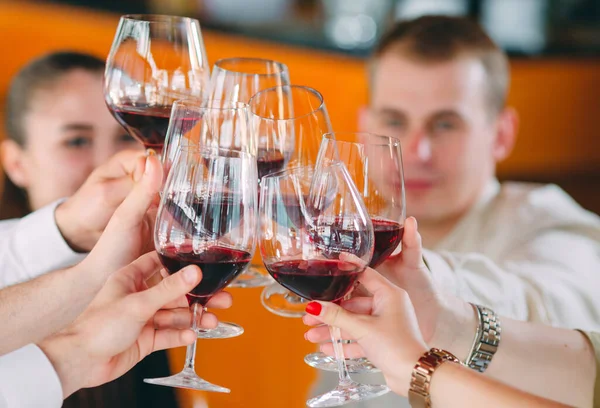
219,267
388,235
147,124
269,161
322,279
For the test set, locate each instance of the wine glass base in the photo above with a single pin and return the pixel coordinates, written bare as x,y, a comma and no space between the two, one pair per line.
327,363
252,278
280,301
187,379
222,331
348,393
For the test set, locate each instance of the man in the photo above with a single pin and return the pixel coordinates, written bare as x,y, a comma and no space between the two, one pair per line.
529,252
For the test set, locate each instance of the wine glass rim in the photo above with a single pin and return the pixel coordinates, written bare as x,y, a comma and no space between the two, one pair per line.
332,136
285,172
305,88
200,104
282,68
156,18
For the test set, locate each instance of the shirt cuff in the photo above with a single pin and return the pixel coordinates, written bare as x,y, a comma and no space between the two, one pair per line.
40,246
27,379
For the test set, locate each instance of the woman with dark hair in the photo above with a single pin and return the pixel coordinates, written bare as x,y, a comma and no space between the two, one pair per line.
58,132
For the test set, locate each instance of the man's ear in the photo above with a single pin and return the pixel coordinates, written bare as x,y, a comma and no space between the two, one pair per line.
506,133
12,157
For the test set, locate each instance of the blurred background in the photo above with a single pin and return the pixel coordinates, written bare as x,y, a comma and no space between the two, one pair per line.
554,47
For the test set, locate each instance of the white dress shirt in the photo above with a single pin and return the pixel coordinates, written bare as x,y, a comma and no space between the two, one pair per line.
32,246
28,380
528,251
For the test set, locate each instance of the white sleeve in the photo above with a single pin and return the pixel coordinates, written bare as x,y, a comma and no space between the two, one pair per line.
28,380
32,246
553,279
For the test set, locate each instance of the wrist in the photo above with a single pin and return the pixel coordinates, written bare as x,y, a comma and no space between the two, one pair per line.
399,378
456,329
64,353
74,234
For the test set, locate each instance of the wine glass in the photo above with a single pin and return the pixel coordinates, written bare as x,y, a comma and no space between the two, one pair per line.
317,246
206,217
154,61
238,79
374,163
289,122
215,124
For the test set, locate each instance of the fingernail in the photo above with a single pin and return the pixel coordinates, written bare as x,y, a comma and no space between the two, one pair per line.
314,308
190,274
306,336
147,166
150,152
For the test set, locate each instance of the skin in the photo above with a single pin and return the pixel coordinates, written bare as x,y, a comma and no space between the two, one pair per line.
68,133
451,138
406,315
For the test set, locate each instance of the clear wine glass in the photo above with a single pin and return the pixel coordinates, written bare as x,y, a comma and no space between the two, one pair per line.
154,61
288,121
206,217
317,246
238,79
374,163
210,123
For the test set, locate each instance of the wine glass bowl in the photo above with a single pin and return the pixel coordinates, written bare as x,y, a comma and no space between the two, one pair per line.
154,61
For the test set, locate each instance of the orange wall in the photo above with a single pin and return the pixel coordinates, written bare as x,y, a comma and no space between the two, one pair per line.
559,105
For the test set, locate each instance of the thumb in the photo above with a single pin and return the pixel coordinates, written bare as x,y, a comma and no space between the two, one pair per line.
334,315
133,209
412,249
169,289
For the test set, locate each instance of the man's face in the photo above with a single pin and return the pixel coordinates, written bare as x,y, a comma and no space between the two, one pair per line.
441,115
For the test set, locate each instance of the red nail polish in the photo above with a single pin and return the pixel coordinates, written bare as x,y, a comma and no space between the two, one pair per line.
314,308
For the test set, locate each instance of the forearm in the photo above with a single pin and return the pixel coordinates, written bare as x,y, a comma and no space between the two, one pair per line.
555,363
33,310
455,386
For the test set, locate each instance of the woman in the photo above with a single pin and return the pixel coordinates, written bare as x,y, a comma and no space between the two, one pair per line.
534,366
58,131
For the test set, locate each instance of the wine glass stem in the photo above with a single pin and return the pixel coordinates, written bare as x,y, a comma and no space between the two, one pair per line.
190,354
336,338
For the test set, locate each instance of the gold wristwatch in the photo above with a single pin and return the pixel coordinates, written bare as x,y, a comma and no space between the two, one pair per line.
418,394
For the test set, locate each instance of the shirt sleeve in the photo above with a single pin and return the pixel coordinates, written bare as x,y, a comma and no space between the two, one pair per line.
552,279
28,380
32,246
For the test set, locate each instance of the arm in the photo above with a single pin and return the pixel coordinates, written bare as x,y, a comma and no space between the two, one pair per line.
455,386
551,279
35,309
32,246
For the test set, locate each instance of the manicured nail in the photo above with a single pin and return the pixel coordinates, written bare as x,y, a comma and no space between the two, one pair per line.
314,308
190,274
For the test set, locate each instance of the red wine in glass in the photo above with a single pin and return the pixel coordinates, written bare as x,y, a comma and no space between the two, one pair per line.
148,124
269,161
321,279
219,265
388,235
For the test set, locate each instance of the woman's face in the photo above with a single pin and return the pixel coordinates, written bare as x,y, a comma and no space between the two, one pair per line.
68,133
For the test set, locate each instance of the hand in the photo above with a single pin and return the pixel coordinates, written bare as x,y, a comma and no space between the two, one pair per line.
385,328
82,218
445,321
129,233
126,322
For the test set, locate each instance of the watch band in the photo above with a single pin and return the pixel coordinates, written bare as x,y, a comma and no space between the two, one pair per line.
418,394
486,339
